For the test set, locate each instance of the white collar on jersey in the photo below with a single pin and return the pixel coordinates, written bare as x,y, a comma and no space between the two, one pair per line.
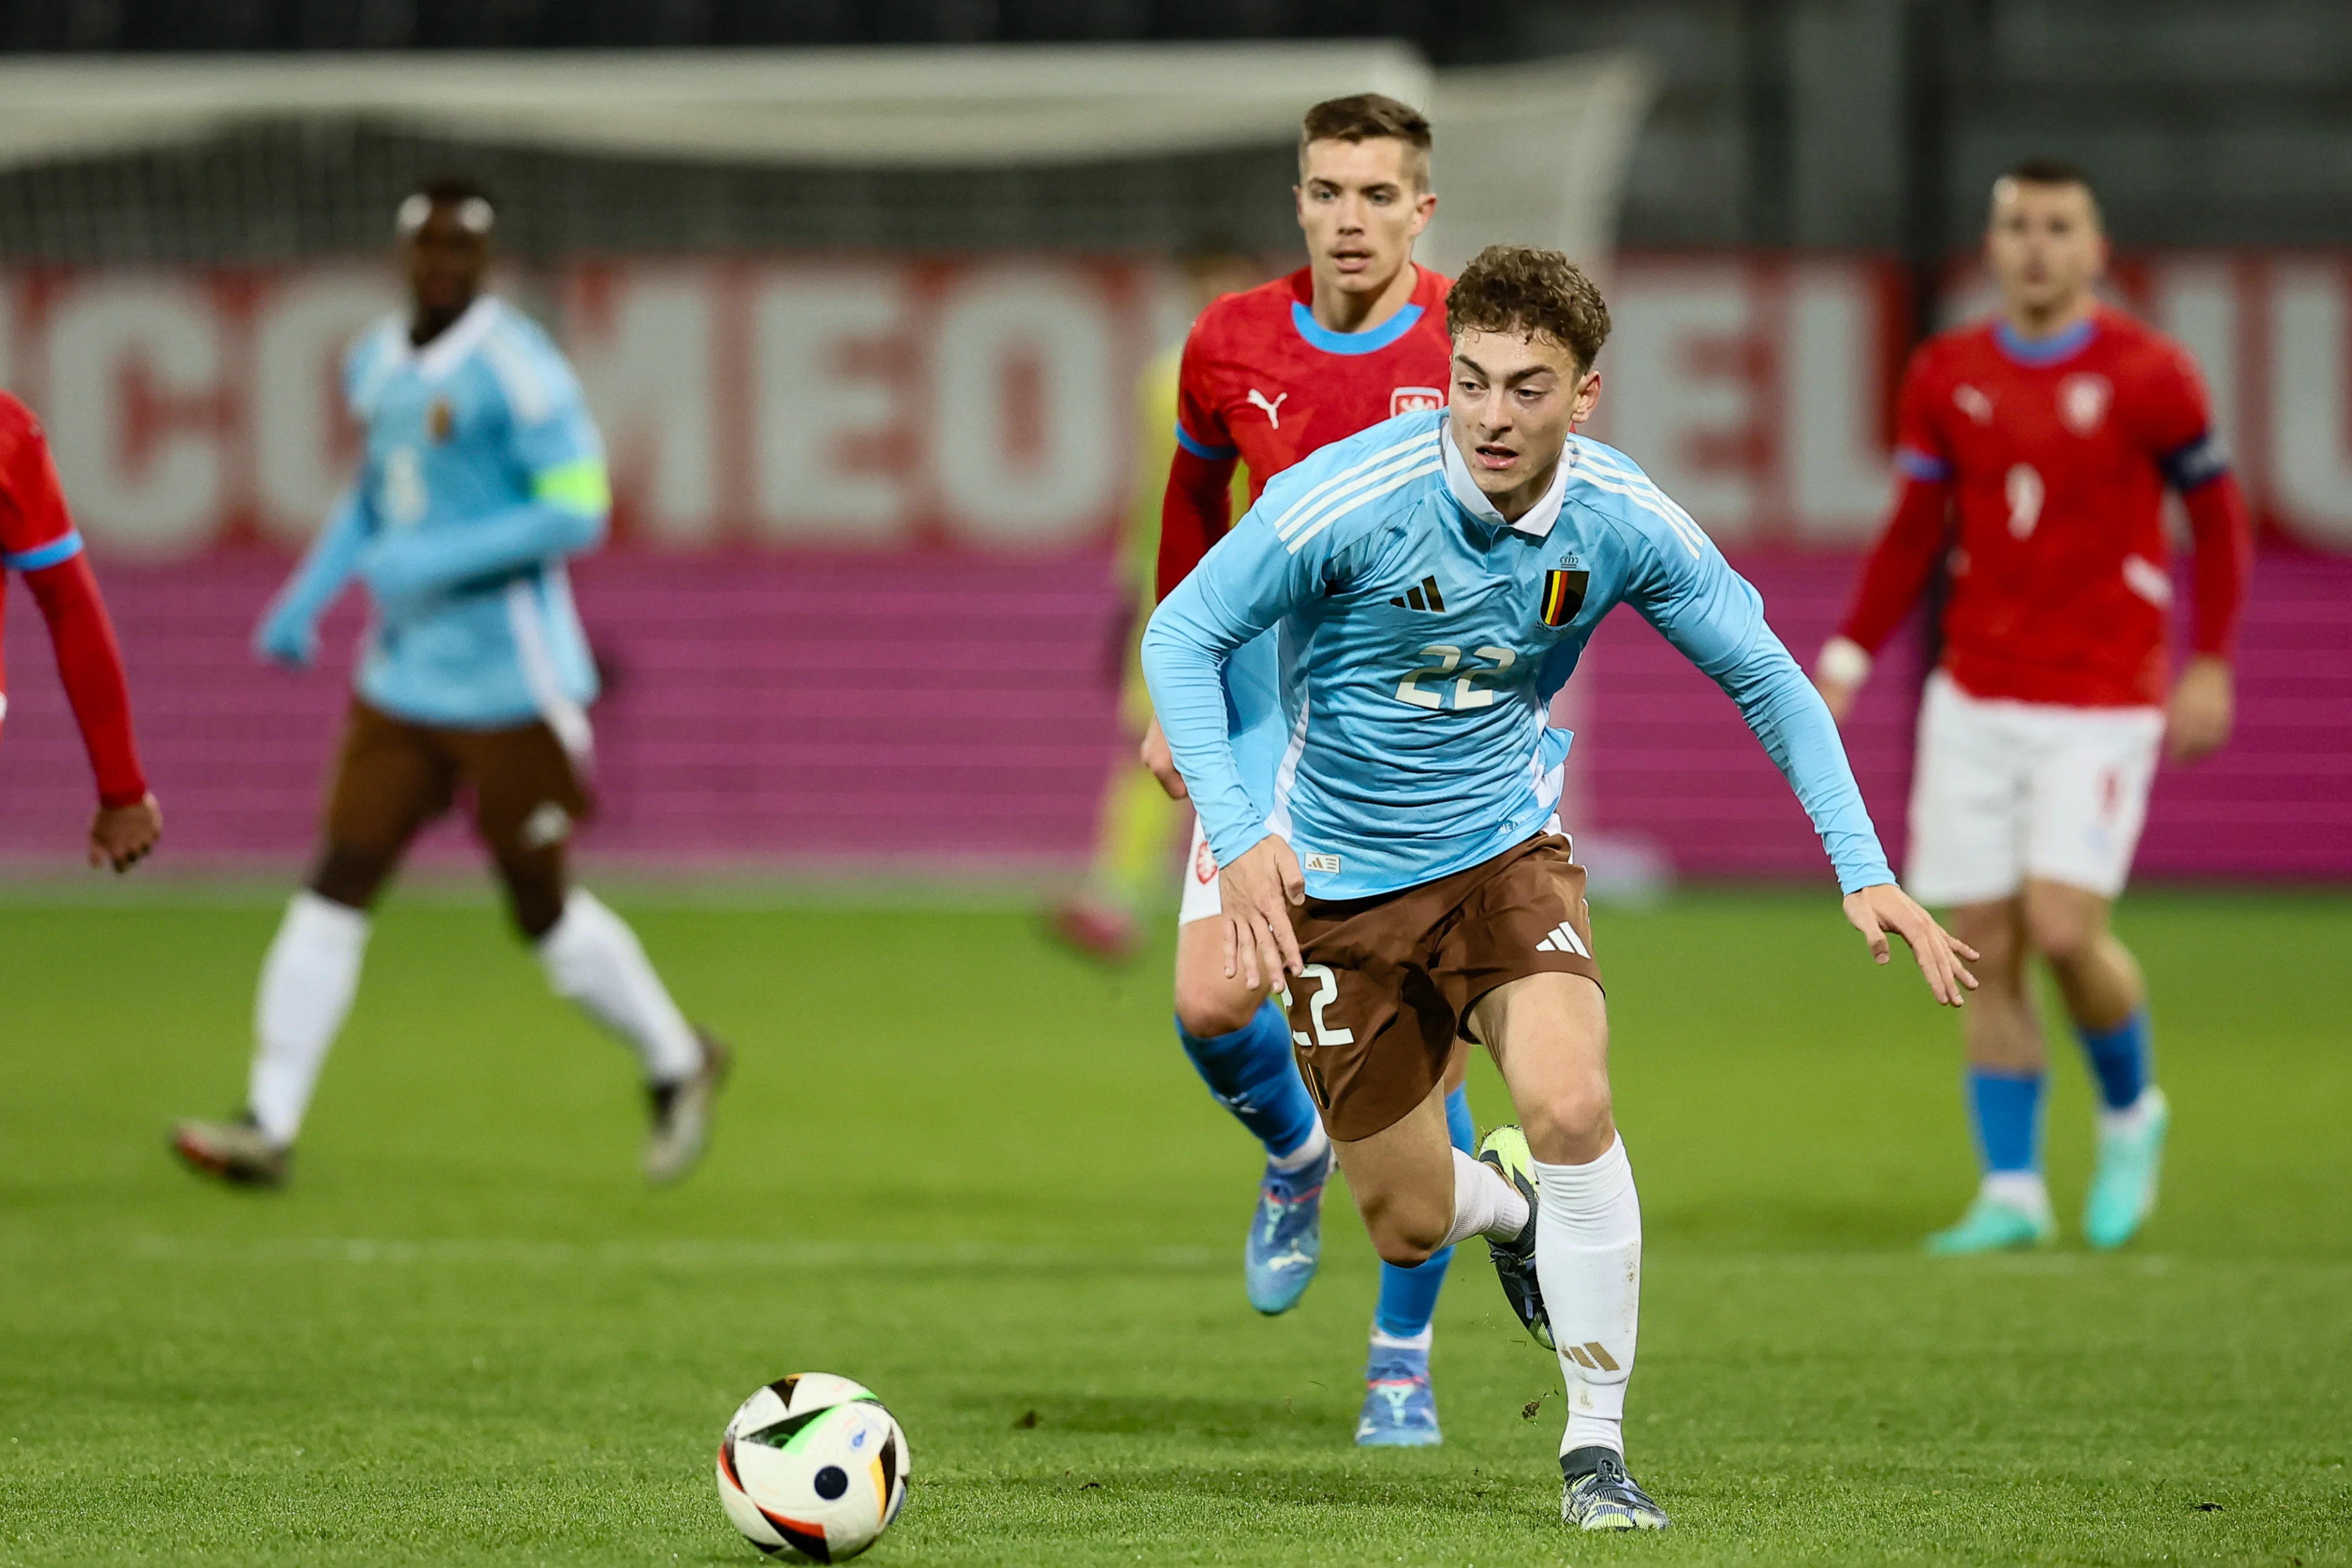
456,344
1536,522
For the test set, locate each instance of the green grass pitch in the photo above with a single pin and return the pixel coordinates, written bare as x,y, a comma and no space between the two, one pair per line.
978,1176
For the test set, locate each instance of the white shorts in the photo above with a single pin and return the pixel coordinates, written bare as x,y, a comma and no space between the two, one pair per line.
2010,790
1202,898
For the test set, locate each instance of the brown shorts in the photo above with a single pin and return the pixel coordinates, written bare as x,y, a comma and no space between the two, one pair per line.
1390,980
393,777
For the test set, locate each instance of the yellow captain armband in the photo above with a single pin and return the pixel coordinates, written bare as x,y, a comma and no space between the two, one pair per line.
579,487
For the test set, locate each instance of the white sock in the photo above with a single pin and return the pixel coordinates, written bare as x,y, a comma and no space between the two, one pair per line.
1317,1144
1588,1257
2018,1189
593,960
1484,1203
1419,1342
308,981
2133,1118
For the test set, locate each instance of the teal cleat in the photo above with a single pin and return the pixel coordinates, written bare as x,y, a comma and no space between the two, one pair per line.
2122,1190
1399,1408
1285,1239
1993,1225
1601,1496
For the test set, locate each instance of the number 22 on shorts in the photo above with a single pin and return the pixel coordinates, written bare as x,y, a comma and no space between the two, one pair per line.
1327,988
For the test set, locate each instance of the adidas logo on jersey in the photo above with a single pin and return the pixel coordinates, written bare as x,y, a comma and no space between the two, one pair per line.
1563,939
1425,597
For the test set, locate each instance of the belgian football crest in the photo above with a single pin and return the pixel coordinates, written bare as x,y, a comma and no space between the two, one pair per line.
1563,594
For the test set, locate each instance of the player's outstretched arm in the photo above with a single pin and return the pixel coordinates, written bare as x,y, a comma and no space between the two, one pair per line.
1883,908
289,632
90,666
565,516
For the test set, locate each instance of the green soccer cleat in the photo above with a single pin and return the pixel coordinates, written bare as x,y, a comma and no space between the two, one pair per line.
1505,1149
1993,1225
237,1151
2122,1190
1601,1496
681,1115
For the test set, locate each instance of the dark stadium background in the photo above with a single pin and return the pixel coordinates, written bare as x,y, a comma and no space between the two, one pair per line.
1783,136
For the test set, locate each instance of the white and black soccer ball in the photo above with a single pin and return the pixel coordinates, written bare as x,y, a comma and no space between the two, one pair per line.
813,1464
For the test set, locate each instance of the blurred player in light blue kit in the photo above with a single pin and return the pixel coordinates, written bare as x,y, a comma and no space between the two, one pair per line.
1432,582
483,473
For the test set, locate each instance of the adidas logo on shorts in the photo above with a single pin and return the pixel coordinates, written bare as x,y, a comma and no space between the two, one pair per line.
1563,939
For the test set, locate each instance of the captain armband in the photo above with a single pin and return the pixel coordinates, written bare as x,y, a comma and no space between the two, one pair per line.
2195,463
581,486
1842,662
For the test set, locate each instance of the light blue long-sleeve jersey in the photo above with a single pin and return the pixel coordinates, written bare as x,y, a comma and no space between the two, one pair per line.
482,473
1416,665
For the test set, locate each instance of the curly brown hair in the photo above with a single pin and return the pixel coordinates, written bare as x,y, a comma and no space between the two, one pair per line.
1519,289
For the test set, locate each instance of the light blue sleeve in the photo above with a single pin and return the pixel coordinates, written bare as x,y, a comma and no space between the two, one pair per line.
289,632
1245,584
553,440
1714,616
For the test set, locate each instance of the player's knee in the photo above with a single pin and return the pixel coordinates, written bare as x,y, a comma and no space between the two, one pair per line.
1210,1004
2063,930
1404,1231
1572,1124
534,898
351,875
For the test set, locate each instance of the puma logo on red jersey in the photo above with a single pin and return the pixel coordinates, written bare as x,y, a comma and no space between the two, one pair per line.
1273,416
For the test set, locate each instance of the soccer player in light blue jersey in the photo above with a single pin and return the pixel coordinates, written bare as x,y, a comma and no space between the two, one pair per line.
1432,582
483,474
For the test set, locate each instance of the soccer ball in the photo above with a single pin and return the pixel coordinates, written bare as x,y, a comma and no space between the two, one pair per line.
814,1465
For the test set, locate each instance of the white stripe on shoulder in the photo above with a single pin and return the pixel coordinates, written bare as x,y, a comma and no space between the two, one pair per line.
379,353
1366,482
1639,489
1423,466
523,382
1289,519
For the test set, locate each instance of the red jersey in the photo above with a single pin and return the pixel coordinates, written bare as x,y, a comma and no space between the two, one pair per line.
1264,384
38,538
2053,456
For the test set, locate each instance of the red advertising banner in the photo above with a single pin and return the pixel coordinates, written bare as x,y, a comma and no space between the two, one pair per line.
877,402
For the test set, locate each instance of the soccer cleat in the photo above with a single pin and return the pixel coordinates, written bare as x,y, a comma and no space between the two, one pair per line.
2122,1190
682,1114
1505,1149
236,1151
1601,1496
1285,1239
1400,1408
1096,928
1993,1225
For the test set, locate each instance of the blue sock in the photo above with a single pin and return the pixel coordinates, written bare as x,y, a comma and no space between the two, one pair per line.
1409,1296
1252,1074
2118,1060
2005,1109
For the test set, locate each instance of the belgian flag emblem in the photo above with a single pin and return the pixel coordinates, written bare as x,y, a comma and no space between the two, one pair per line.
1563,595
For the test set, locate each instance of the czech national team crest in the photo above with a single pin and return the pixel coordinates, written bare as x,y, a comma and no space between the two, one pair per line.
1414,399
1563,594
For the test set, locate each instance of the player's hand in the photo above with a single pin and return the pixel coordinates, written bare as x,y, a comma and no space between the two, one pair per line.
1876,910
1839,695
1160,760
2204,705
1259,891
121,836
1838,675
286,636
